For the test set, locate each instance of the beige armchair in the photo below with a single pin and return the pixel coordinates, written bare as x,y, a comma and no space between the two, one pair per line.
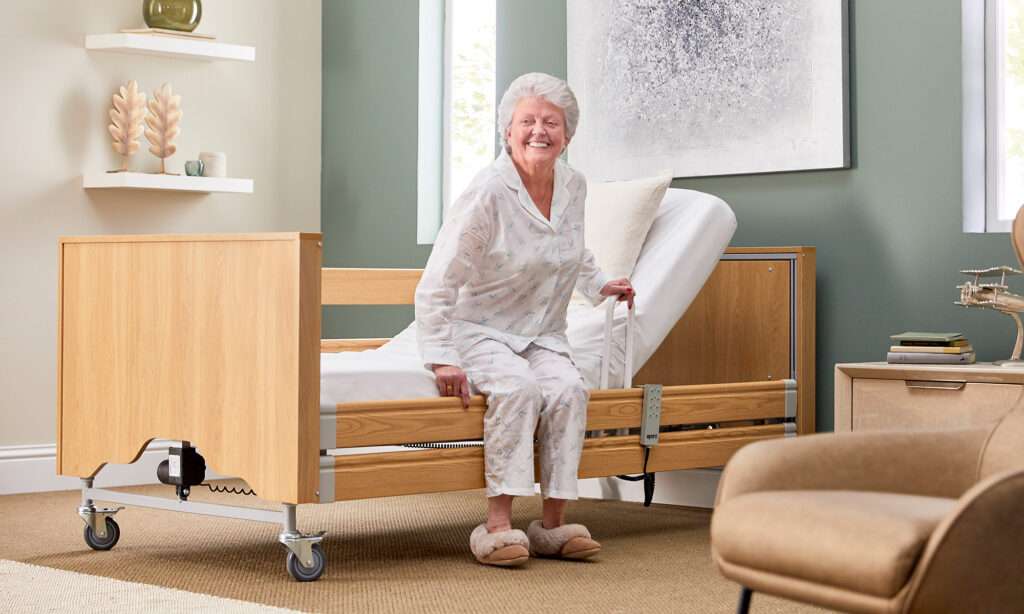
909,522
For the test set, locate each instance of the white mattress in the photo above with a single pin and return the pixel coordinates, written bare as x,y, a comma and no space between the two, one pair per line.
689,234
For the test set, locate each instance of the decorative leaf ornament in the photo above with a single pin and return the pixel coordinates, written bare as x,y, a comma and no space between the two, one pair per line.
162,123
126,118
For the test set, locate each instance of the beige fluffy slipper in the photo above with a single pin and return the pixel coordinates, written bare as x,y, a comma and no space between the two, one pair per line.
504,549
569,541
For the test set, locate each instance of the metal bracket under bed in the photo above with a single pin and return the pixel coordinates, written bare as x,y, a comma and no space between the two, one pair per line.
306,560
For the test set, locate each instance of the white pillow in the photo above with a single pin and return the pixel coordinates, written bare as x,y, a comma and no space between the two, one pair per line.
618,215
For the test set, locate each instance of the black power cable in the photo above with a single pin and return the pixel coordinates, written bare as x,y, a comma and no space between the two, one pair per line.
229,490
648,479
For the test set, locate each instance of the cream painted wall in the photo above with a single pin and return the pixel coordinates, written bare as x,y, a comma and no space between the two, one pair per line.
53,109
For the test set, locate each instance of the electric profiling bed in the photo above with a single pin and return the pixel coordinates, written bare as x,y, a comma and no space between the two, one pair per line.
214,341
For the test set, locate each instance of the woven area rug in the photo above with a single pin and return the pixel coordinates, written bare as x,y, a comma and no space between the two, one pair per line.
399,554
30,588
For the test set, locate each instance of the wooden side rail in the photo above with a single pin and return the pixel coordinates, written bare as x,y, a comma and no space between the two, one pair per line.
404,473
334,346
368,286
378,423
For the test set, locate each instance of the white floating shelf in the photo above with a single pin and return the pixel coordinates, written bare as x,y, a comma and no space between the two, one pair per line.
177,183
170,46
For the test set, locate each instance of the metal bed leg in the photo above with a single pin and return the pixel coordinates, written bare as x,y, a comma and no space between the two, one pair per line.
101,530
306,560
744,605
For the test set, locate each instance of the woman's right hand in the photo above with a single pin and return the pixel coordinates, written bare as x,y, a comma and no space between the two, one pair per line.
452,382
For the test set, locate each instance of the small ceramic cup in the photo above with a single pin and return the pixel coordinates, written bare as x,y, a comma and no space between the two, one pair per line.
194,168
215,163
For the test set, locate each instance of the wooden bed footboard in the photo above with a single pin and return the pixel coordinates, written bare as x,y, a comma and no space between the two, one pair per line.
211,339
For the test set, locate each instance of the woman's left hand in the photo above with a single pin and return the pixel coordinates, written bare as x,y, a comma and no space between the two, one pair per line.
621,288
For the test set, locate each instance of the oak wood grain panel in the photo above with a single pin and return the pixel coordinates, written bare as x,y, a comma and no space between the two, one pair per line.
402,473
333,346
310,308
369,286
191,238
397,425
736,330
60,345
444,419
892,405
806,323
680,450
210,341
778,249
843,409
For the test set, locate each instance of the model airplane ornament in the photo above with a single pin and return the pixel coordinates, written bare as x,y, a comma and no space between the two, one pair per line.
997,296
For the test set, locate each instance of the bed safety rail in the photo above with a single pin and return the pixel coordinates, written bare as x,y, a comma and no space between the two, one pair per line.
692,426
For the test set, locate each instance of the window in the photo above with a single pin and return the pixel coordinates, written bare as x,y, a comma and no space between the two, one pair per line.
456,103
993,117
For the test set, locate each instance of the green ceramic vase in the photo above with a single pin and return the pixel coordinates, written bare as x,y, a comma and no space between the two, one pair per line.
183,15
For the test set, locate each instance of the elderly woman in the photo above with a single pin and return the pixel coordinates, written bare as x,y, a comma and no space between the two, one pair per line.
490,311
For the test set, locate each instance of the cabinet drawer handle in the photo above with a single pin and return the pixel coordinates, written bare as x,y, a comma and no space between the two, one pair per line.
924,384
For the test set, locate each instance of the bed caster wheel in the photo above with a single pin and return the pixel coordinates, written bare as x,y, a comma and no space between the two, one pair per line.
307,574
103,543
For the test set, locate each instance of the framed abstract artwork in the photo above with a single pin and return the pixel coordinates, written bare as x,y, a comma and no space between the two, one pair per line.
708,87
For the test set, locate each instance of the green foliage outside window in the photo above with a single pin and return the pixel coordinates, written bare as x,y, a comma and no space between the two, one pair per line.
472,101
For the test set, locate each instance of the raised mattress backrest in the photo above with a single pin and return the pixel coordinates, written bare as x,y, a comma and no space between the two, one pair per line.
682,248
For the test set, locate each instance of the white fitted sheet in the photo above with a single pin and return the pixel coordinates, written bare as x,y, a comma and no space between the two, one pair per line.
689,234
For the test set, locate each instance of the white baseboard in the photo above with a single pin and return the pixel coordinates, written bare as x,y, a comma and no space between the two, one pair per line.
692,488
25,469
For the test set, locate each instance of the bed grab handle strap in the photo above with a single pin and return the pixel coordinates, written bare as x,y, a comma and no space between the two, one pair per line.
651,416
609,320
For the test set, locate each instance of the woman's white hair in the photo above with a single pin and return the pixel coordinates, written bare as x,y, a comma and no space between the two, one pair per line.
552,89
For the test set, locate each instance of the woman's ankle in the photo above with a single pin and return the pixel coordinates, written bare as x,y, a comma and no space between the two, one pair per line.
553,515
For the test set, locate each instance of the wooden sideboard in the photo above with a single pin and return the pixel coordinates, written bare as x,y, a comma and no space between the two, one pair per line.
882,396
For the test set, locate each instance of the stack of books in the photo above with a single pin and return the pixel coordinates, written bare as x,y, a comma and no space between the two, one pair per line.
930,348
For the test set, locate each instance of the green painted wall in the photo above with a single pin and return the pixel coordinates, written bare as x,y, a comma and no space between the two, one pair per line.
887,230
369,150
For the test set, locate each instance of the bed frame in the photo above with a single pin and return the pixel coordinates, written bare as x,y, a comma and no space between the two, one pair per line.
215,340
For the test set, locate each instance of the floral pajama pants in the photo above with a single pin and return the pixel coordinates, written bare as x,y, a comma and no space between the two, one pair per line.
535,391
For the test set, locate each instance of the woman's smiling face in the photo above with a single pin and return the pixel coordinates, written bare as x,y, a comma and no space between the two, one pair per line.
537,132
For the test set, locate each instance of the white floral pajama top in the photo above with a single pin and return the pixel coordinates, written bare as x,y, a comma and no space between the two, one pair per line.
500,270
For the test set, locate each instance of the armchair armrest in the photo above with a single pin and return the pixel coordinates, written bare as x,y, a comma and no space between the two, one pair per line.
928,463
972,562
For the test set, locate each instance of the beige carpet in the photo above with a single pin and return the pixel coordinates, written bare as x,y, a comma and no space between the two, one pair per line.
402,554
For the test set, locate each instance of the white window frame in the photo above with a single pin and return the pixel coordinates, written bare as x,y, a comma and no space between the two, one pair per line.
983,112
432,144
434,117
